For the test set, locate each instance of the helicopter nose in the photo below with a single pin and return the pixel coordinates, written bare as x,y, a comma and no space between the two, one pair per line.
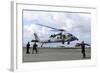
77,39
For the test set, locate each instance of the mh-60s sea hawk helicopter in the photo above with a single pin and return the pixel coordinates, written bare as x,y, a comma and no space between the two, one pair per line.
62,36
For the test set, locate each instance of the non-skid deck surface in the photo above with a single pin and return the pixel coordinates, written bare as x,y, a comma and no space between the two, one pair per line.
54,54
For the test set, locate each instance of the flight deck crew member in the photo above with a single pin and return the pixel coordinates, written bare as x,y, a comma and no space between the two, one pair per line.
27,48
83,48
35,48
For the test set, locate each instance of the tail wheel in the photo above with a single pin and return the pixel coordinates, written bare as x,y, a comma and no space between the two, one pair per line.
42,45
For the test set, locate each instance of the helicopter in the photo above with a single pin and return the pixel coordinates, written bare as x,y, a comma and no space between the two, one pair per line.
60,37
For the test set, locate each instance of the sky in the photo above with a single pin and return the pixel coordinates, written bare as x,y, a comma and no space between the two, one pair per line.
78,24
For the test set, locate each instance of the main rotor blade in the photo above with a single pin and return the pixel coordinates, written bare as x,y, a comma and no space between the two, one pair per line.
51,27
